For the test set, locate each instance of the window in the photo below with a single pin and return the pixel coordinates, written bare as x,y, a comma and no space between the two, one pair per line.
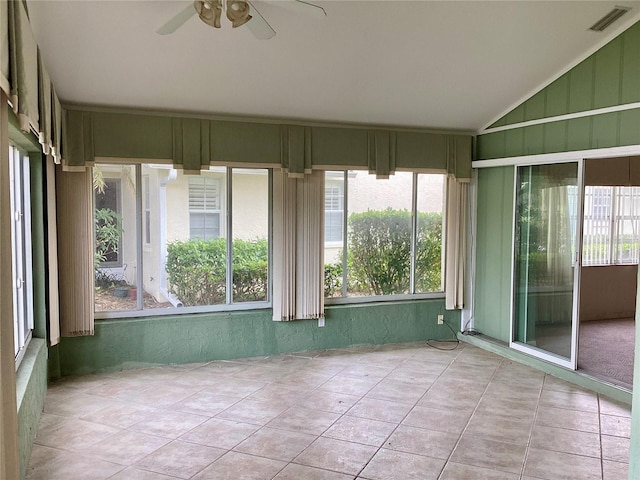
611,232
146,205
108,213
21,251
333,208
204,208
392,244
190,261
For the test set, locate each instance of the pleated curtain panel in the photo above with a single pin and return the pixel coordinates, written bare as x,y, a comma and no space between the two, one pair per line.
298,238
455,242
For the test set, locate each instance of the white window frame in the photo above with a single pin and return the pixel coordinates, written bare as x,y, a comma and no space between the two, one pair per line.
146,205
21,261
344,299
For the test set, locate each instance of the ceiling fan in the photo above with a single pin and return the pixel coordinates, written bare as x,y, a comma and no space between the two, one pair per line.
238,12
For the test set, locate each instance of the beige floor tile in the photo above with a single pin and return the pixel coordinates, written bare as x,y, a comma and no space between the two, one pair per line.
253,411
441,420
571,400
421,441
489,454
561,466
458,471
382,410
500,428
121,415
69,466
392,465
180,459
169,424
494,405
207,402
276,444
73,434
307,379
613,407
263,373
220,433
400,392
125,448
280,393
569,419
616,426
566,441
238,387
303,472
239,466
328,401
615,448
614,470
350,385
370,372
75,404
415,377
553,383
132,473
304,420
336,455
360,430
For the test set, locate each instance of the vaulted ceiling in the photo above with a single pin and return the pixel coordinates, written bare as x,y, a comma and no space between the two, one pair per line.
453,65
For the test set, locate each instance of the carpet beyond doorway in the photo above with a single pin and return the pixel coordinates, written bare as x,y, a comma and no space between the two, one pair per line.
606,350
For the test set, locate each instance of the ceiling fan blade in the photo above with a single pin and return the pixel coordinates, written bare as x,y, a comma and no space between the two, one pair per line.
258,25
177,21
304,7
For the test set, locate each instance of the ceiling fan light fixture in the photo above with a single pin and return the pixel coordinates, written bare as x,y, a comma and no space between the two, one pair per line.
238,12
209,11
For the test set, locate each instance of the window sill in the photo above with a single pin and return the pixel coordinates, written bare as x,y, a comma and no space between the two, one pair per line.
382,298
234,307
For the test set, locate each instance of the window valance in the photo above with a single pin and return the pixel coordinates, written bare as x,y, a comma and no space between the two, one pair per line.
194,144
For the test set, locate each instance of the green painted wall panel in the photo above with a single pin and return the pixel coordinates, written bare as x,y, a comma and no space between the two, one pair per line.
630,84
605,131
608,63
494,244
31,389
131,343
579,134
581,86
557,100
534,107
515,116
491,145
630,127
534,139
514,142
555,137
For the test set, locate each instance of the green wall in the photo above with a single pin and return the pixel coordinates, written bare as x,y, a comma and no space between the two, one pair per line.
608,78
494,243
31,389
132,343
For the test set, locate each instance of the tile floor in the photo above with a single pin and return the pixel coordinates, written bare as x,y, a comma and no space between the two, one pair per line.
404,411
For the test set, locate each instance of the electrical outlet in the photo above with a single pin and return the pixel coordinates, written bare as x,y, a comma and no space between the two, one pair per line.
440,319
321,322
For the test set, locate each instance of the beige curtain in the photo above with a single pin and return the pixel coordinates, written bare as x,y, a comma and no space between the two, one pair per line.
4,47
74,194
555,207
8,407
455,237
298,246
52,248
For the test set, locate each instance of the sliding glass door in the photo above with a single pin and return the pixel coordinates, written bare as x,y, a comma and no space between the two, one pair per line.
546,261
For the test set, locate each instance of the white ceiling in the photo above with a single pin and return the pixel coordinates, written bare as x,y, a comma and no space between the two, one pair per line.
446,65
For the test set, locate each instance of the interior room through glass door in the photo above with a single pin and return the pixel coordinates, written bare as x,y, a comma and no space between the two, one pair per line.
546,262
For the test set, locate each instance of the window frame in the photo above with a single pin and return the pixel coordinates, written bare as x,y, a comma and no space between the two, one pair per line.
21,248
344,299
140,312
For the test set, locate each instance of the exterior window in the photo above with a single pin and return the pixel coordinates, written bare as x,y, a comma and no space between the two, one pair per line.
183,256
146,205
333,209
611,232
204,208
392,244
21,251
108,211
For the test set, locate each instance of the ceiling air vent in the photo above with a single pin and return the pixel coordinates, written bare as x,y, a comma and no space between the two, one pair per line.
609,18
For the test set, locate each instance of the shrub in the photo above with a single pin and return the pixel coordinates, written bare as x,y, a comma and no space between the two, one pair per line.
196,271
108,225
332,280
380,252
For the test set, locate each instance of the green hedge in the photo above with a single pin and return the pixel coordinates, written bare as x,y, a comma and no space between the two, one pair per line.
197,270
